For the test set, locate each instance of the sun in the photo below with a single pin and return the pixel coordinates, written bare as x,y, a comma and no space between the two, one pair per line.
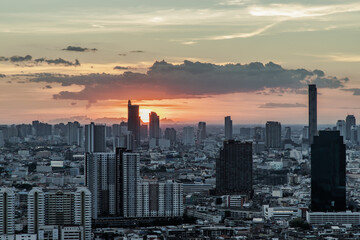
144,115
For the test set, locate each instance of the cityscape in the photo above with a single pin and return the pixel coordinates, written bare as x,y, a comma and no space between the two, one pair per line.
179,120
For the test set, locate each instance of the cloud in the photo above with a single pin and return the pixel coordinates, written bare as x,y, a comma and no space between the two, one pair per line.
48,87
122,54
190,80
58,61
120,68
137,51
282,105
79,49
355,91
16,59
2,75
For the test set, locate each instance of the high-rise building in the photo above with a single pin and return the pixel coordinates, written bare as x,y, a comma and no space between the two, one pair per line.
72,132
95,138
144,131
201,136
234,168
228,128
134,122
188,136
61,208
305,133
7,211
170,134
328,172
350,121
273,135
341,127
312,112
154,126
287,132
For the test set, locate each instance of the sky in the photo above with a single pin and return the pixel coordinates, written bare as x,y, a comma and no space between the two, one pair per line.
186,60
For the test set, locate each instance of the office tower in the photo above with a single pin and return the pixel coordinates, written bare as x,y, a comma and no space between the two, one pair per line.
245,133
188,136
170,134
354,135
36,210
228,128
2,139
154,126
328,172
95,138
273,135
305,133
234,168
72,132
350,121
259,134
341,127
130,183
134,122
287,132
56,207
100,177
7,211
143,131
201,131
80,136
312,112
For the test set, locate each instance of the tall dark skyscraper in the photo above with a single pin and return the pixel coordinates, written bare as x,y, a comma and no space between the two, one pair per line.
328,172
234,168
273,135
170,134
312,112
154,126
287,132
228,128
350,121
134,122
95,138
201,131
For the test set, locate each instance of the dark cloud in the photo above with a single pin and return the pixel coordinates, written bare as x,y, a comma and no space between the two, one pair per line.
2,75
122,54
4,59
16,59
189,80
58,61
48,87
355,91
73,103
282,105
120,68
137,51
79,49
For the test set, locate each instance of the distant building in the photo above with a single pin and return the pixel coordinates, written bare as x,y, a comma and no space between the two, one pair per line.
7,211
95,138
234,169
341,127
154,126
335,218
273,135
134,122
312,112
188,136
328,172
201,136
350,121
170,134
144,131
287,133
228,128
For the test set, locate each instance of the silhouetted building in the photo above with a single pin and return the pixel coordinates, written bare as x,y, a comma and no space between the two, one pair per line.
287,132
328,172
245,133
201,131
170,134
188,136
350,121
95,138
134,122
143,131
154,126
273,135
341,126
228,128
312,112
234,168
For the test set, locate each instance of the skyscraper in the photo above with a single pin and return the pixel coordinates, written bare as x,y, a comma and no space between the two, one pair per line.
287,132
154,126
350,121
328,172
273,135
341,126
201,131
234,168
7,211
228,128
95,138
134,122
312,112
170,134
188,136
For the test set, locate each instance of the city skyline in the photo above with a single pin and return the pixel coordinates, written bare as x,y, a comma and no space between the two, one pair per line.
89,59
